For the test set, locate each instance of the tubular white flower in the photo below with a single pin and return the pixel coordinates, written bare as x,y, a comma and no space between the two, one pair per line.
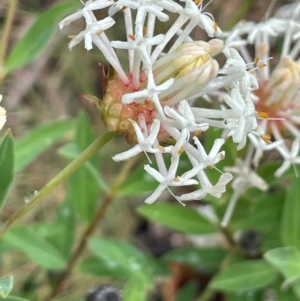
140,44
86,11
207,188
171,179
146,142
243,120
185,117
91,33
214,155
290,157
245,177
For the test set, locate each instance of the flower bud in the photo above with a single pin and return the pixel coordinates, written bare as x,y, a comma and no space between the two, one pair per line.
185,58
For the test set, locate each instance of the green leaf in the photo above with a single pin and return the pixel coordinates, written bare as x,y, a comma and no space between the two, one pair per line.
11,298
83,189
177,217
204,260
37,37
296,288
38,140
6,286
264,216
290,223
100,267
287,261
35,247
249,296
285,294
65,220
6,166
136,288
120,256
244,276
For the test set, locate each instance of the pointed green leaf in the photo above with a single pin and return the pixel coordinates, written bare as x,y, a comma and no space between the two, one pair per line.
136,288
37,37
205,260
65,220
177,217
38,140
6,166
6,286
83,188
286,260
248,296
290,222
96,266
120,256
35,247
244,276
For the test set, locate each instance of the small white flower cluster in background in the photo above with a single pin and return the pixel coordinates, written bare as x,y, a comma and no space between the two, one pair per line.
2,115
172,76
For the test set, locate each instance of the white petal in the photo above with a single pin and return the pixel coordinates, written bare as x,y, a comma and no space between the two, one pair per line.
127,154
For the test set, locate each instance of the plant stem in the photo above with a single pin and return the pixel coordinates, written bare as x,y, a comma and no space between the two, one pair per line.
59,178
109,197
6,34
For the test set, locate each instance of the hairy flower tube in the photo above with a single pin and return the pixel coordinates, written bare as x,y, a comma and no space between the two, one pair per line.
2,115
155,100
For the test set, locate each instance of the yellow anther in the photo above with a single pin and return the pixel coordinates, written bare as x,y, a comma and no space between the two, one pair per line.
181,150
262,115
256,59
266,138
197,2
262,65
196,133
215,26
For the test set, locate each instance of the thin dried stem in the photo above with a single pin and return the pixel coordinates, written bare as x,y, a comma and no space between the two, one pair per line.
6,34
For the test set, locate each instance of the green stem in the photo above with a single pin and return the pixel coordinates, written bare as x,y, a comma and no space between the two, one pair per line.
6,34
59,178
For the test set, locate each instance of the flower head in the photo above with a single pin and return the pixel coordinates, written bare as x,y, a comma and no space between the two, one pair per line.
155,100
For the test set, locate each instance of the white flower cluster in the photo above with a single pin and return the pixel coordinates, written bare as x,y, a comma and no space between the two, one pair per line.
2,115
171,71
